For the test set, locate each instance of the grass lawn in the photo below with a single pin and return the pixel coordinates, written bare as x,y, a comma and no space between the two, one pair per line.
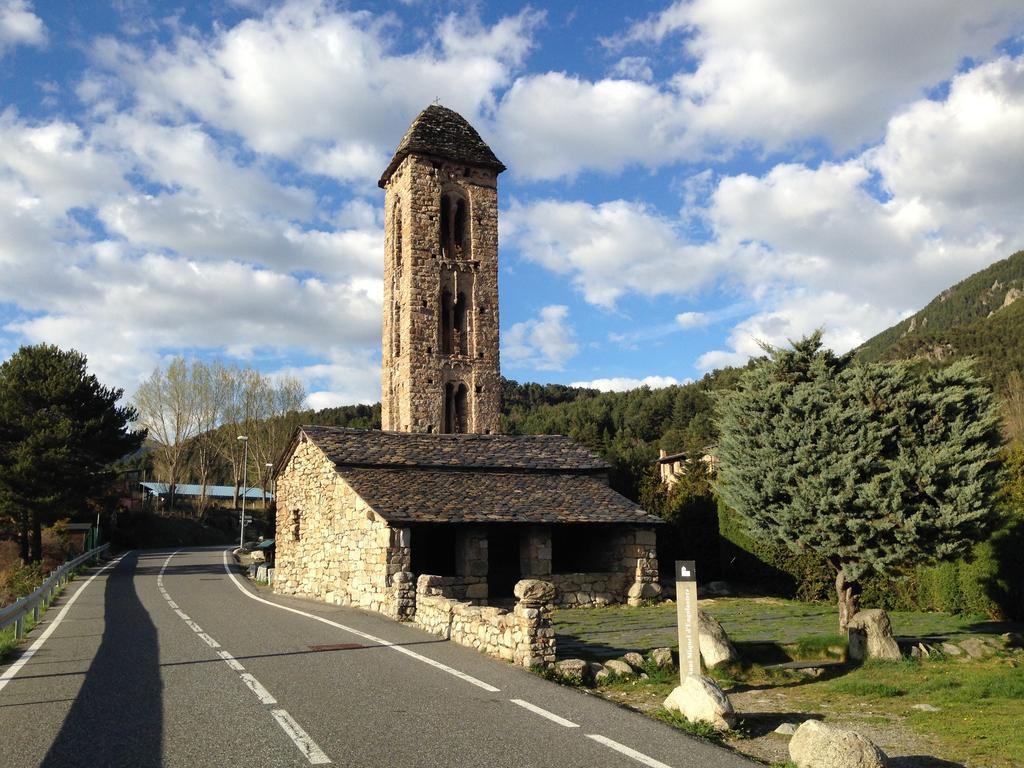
979,703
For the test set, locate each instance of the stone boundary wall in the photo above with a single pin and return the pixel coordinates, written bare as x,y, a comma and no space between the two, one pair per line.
523,635
576,590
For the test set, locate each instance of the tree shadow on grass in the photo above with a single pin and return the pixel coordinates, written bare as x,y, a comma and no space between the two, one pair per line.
117,717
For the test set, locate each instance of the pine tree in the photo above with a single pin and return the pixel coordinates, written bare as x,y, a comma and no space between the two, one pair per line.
873,467
59,429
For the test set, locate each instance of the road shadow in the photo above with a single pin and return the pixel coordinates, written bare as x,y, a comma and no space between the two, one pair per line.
117,717
921,761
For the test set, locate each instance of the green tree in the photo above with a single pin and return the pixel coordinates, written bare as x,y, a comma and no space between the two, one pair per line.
59,429
873,467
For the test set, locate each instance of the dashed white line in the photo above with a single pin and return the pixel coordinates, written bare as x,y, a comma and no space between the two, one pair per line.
640,757
13,670
254,685
231,661
305,744
364,635
294,731
544,713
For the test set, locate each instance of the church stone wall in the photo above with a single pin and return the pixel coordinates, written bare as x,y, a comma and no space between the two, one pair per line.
415,369
332,546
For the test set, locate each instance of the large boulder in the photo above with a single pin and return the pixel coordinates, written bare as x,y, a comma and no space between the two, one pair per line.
715,647
619,667
535,591
662,658
871,636
635,660
817,745
700,699
573,671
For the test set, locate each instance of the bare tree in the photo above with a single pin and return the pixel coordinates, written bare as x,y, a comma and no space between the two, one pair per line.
211,392
1012,407
166,404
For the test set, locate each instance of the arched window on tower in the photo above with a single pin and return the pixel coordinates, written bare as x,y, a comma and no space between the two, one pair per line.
446,322
459,343
456,408
453,230
459,229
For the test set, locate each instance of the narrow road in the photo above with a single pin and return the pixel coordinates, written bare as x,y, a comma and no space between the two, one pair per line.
171,659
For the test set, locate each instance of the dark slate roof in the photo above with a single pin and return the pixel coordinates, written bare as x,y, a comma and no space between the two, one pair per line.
444,133
374,448
458,496
410,477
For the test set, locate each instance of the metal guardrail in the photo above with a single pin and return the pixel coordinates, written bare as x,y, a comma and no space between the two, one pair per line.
16,612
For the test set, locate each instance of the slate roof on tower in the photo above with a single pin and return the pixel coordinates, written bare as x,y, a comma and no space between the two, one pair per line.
437,478
444,133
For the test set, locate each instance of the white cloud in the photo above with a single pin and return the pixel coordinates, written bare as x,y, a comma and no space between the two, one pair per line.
625,383
19,25
346,377
609,249
778,71
319,86
543,343
693,319
766,76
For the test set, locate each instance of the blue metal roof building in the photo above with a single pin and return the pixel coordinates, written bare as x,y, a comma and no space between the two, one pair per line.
212,491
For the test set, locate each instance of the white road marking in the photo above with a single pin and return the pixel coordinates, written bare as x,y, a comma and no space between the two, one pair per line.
305,744
173,604
299,737
12,670
254,685
640,757
209,640
364,635
544,713
231,661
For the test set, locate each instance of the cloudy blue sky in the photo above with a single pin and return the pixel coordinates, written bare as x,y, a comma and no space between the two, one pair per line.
683,179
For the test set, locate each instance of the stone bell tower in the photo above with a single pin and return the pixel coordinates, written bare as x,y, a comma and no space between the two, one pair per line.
440,347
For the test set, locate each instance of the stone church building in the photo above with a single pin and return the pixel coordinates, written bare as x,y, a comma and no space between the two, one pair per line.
438,504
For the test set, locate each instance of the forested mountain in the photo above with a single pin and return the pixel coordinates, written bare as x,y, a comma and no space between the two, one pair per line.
982,316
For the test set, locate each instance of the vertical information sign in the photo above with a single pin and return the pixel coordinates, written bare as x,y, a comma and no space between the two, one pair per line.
686,617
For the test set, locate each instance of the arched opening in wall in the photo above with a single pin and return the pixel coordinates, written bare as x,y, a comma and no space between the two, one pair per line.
446,322
460,342
453,226
459,228
456,408
446,226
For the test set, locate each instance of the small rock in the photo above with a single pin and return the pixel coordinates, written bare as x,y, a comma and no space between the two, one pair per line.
700,699
644,676
619,667
572,670
926,708
976,648
598,673
635,660
1012,640
662,658
817,745
951,649
786,729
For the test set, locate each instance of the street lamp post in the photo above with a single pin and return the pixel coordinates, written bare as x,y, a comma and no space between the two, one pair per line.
270,477
245,486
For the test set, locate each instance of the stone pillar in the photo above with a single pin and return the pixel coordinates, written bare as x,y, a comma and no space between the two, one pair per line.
640,560
535,552
401,594
536,645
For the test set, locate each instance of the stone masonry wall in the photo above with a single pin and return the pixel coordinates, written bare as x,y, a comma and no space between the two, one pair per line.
414,371
523,635
332,546
590,589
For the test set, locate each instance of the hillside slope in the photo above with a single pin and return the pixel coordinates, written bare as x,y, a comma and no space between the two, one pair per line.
982,316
